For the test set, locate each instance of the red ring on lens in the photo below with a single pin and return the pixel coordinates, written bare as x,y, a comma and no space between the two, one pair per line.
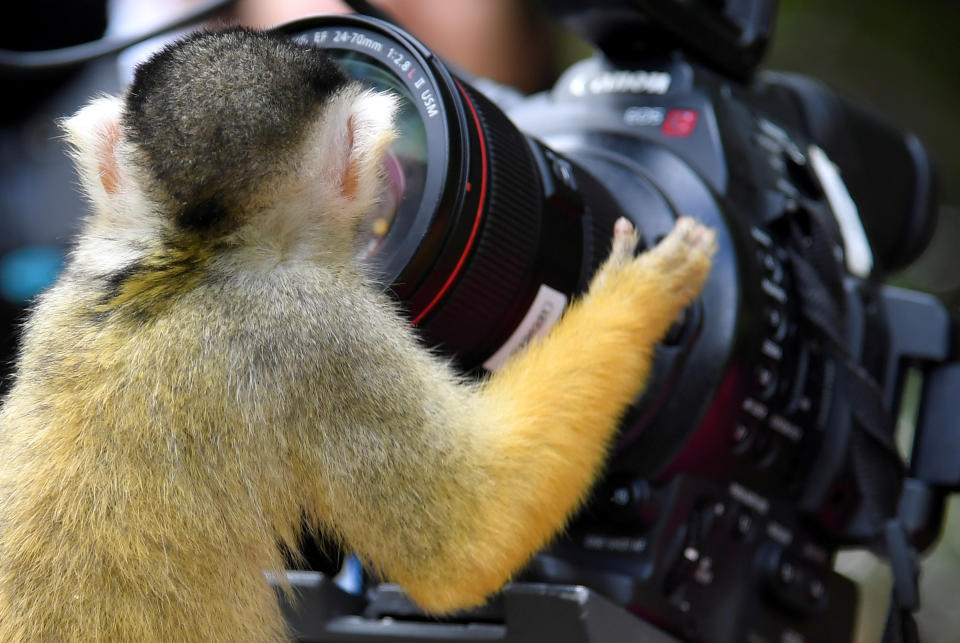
476,222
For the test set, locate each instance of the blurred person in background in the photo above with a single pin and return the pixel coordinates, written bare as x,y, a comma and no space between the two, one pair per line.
509,41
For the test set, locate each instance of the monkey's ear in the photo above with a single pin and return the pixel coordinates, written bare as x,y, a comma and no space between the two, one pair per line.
359,124
94,134
371,131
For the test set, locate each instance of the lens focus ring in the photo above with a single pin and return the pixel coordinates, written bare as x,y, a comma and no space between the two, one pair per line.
490,294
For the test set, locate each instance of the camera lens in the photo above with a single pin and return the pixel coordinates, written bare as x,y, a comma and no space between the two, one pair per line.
482,234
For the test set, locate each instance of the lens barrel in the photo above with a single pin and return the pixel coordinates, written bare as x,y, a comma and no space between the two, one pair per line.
497,232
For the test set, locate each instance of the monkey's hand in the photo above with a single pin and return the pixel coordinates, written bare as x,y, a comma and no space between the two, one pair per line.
540,432
679,264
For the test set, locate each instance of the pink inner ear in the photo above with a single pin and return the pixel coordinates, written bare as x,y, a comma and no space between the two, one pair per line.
350,179
106,154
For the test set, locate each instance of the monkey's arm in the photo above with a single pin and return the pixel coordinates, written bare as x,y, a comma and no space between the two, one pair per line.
496,471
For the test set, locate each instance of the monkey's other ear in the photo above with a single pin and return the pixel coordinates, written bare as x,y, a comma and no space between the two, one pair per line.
359,124
94,134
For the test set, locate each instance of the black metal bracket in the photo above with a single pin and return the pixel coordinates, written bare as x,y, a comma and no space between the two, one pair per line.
522,613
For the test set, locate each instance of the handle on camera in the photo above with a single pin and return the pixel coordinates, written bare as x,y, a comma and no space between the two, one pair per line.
923,338
729,36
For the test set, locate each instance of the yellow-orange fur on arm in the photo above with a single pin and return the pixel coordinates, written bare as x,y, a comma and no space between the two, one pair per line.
543,423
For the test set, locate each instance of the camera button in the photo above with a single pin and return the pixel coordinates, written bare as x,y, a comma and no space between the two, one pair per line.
762,238
772,267
816,589
767,380
740,437
773,290
628,502
787,572
774,317
755,409
765,449
744,524
794,584
765,377
776,322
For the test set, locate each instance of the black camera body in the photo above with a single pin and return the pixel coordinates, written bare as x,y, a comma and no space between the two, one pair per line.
733,484
765,441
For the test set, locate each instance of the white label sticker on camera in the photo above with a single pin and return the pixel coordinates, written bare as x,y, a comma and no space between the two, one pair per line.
856,247
544,313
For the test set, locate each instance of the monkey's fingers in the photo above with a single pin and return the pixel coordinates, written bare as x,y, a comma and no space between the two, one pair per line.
623,246
625,239
682,259
688,237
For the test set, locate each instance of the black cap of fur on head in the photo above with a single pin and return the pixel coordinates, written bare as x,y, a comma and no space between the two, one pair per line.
214,114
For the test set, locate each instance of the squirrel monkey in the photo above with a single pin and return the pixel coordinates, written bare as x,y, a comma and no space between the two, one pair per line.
213,368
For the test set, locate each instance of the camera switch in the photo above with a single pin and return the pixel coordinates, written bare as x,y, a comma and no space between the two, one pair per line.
629,502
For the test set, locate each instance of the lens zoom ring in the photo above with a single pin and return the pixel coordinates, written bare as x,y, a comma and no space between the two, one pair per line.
496,283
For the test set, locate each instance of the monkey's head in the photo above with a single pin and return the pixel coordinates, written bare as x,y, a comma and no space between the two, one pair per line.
237,137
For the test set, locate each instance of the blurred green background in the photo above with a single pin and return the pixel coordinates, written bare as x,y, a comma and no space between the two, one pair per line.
901,59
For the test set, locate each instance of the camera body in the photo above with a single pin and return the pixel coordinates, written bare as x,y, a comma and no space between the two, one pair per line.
765,439
732,487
